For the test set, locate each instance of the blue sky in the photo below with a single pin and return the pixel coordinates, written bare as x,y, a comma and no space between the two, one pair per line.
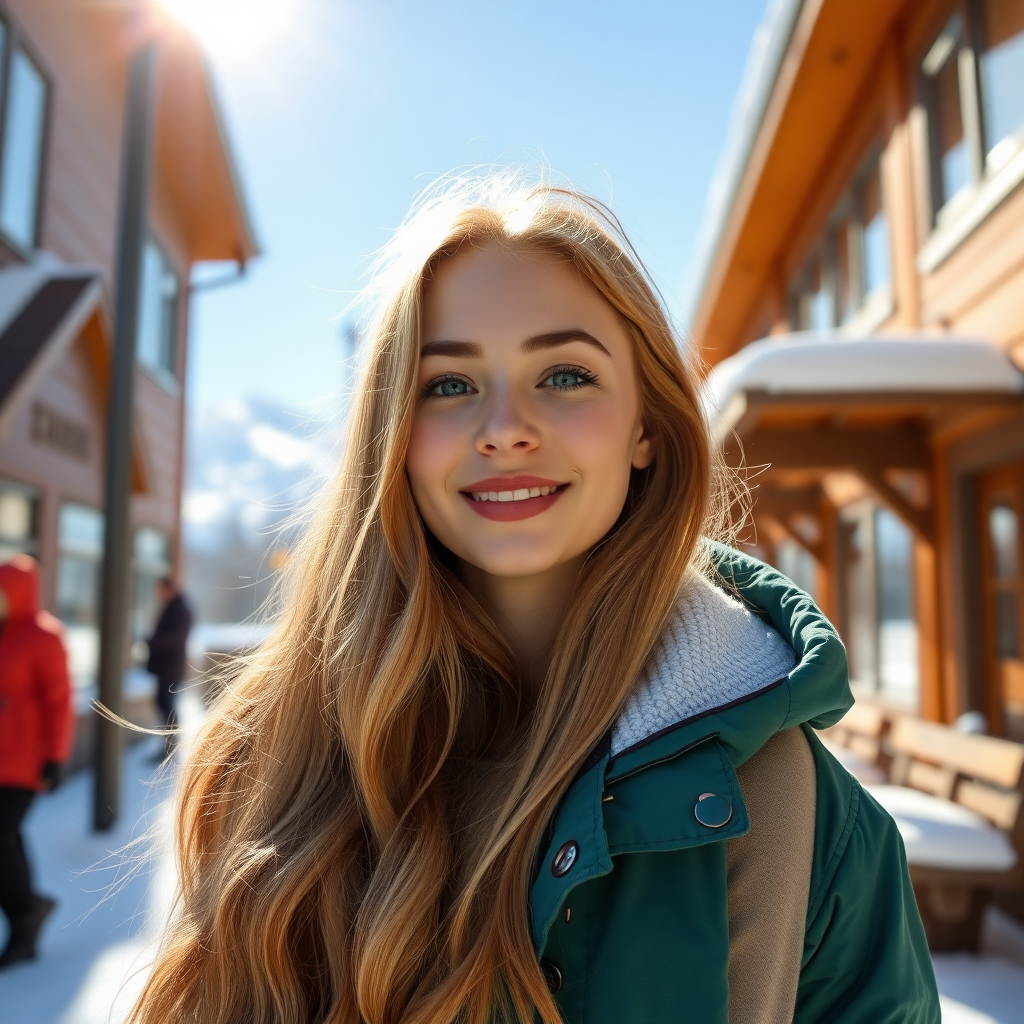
342,113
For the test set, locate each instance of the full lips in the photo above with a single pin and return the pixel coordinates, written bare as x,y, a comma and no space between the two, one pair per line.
510,511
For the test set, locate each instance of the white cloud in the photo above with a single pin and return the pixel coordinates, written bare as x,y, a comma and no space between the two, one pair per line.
234,410
204,507
284,450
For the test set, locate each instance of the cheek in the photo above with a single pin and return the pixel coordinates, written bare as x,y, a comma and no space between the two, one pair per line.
599,437
435,447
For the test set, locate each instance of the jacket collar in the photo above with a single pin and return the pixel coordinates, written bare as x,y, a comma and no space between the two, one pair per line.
712,651
812,682
699,752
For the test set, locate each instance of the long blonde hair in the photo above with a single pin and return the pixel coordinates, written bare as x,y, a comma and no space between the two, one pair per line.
360,814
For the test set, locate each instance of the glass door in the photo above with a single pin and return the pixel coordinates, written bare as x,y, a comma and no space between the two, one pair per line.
1002,498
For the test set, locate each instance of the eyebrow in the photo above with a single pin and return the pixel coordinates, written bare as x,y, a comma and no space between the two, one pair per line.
471,350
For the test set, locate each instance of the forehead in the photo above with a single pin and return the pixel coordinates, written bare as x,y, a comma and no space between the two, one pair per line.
521,291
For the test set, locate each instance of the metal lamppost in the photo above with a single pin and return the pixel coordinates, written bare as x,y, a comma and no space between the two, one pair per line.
115,594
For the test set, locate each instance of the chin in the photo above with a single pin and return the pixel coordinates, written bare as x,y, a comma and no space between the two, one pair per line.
515,560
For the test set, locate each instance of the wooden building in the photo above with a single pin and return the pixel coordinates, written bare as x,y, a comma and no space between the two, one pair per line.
63,79
867,224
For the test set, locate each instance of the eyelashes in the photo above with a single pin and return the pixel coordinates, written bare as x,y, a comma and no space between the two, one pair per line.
562,378
559,378
448,385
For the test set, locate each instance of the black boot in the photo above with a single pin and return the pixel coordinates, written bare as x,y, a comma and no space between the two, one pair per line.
25,928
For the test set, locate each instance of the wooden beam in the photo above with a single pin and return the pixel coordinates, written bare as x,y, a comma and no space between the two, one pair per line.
898,185
814,550
829,448
929,638
787,501
917,400
918,519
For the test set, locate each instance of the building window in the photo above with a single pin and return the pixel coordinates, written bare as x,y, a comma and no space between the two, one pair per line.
815,296
897,621
19,508
151,561
1003,530
1002,79
158,301
973,85
879,616
798,564
80,552
21,149
941,69
850,264
874,231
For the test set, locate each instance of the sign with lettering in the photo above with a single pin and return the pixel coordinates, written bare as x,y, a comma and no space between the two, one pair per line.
51,428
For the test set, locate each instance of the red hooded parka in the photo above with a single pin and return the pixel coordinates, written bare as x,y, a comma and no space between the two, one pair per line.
36,715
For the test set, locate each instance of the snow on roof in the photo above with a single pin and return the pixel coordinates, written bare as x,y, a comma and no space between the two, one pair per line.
810,363
764,60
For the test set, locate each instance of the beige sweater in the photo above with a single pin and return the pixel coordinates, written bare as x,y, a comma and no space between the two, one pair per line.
769,880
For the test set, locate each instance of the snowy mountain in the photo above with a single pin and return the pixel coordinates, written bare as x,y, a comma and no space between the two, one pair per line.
253,467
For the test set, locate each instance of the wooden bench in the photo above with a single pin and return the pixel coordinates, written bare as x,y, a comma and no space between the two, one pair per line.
958,800
857,741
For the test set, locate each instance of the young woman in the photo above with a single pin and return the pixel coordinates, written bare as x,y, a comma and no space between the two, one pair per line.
525,744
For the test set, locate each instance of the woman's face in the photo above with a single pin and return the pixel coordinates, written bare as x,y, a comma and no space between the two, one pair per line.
528,418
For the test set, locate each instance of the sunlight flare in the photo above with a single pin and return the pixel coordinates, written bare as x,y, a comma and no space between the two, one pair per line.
229,24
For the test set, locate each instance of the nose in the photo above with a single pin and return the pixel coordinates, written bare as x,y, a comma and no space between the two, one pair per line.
506,428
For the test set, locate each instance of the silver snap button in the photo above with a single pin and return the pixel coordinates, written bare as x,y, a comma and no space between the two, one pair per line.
565,858
713,811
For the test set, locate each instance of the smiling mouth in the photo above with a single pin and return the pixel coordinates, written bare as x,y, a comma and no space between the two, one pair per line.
520,494
510,503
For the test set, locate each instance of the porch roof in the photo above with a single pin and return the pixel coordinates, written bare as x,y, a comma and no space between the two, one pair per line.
827,369
804,407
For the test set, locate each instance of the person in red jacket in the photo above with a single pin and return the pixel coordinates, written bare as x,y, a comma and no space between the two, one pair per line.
36,727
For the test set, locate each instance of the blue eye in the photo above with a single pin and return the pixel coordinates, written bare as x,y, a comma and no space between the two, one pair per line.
449,387
568,378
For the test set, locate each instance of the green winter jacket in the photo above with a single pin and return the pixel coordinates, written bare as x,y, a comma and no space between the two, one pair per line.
629,902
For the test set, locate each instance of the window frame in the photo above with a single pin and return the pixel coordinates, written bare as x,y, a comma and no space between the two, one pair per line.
950,223
141,624
34,496
868,308
16,39
83,675
969,95
166,377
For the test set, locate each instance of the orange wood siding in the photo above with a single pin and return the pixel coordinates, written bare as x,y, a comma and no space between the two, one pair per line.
849,82
83,50
979,289
84,133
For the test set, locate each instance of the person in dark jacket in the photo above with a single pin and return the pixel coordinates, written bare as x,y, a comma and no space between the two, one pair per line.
167,652
36,729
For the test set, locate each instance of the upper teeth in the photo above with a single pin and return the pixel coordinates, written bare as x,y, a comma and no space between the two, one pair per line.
521,494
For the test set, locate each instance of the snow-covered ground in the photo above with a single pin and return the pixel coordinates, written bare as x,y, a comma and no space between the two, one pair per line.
95,949
986,989
98,940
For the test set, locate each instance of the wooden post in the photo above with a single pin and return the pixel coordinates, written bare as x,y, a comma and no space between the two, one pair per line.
114,590
955,692
829,574
926,600
898,187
